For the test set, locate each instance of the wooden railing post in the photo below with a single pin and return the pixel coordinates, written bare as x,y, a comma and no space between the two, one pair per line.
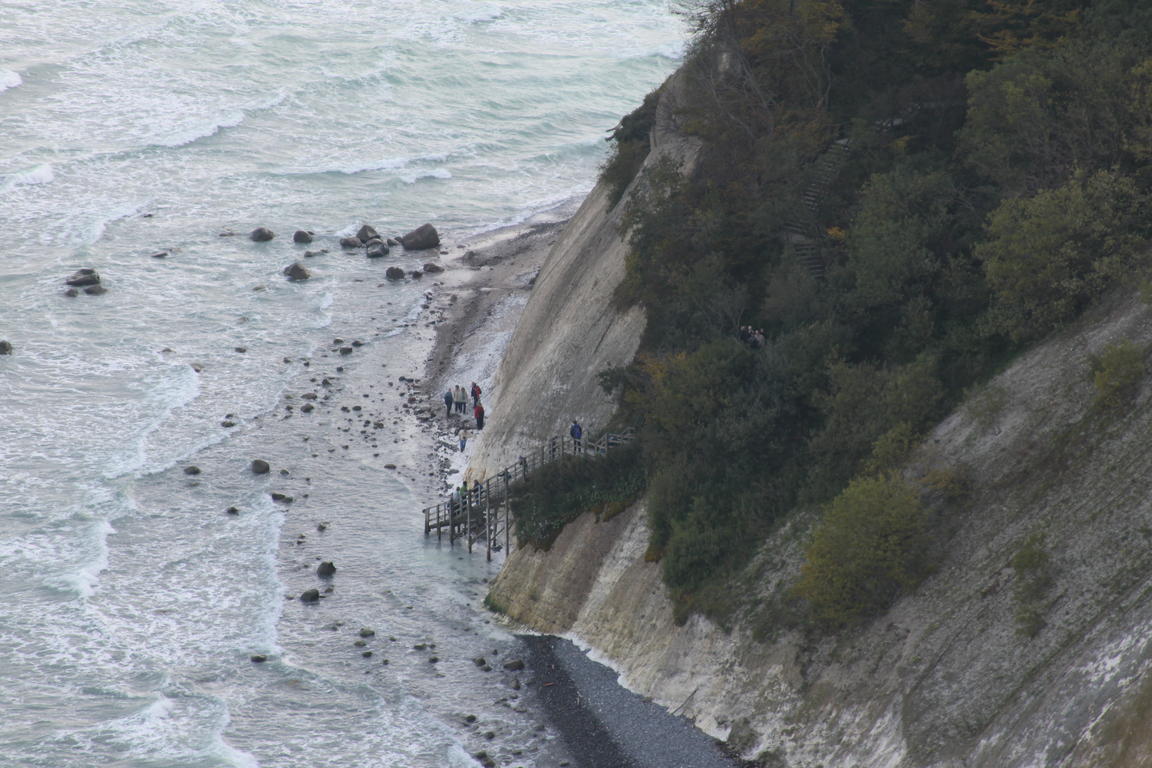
507,519
468,517
488,518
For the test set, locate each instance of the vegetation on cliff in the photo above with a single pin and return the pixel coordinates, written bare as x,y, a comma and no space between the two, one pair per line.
902,195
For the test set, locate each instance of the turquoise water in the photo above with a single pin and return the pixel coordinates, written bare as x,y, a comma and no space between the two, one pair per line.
132,602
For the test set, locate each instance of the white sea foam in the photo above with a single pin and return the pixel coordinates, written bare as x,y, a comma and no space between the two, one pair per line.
9,79
193,133
438,173
41,174
86,577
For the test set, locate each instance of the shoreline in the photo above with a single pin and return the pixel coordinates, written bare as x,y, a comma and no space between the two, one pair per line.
600,721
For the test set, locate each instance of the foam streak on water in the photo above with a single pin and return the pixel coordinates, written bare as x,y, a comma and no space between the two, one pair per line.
132,601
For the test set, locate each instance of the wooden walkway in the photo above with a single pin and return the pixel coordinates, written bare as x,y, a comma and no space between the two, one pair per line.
484,511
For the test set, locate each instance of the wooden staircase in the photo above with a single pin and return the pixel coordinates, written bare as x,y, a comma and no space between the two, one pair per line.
801,230
483,512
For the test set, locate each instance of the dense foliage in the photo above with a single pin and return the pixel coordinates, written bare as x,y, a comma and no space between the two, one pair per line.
871,543
558,493
971,175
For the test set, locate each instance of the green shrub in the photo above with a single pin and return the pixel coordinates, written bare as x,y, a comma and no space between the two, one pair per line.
630,147
1049,256
1117,372
891,449
558,493
869,547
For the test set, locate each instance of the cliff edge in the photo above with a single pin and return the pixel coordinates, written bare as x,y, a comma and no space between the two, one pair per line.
570,329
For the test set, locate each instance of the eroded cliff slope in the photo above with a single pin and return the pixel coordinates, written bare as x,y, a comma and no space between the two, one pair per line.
974,669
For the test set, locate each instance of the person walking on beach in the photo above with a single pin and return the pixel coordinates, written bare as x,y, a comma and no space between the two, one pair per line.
478,412
459,398
577,432
463,435
475,394
448,400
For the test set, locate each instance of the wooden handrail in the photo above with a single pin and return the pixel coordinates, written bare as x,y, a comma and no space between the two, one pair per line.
456,514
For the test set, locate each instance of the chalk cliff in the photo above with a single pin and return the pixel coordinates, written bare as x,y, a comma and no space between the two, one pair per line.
973,669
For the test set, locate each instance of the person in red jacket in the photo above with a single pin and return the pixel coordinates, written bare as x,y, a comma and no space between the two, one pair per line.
478,412
475,394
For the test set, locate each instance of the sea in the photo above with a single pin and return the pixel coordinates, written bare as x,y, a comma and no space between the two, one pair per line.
149,579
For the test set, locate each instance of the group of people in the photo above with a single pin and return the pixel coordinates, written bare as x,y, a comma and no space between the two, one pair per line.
753,337
456,400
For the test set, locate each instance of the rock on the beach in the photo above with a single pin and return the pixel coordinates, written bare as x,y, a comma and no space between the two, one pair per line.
366,632
310,596
514,665
5,347
326,569
394,273
366,233
297,272
424,236
83,277
301,236
433,269
376,250
260,467
351,242
261,235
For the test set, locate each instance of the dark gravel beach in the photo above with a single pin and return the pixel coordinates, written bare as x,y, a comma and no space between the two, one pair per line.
603,724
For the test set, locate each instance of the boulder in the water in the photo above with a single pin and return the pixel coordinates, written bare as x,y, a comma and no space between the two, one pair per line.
376,249
394,273
326,570
351,242
424,236
83,277
297,272
366,233
5,347
310,596
192,470
301,236
95,290
260,467
261,235
433,269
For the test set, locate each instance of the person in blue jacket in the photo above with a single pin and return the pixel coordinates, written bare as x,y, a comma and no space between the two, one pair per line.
577,432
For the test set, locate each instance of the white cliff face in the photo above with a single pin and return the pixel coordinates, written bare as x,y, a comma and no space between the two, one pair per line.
946,678
571,331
